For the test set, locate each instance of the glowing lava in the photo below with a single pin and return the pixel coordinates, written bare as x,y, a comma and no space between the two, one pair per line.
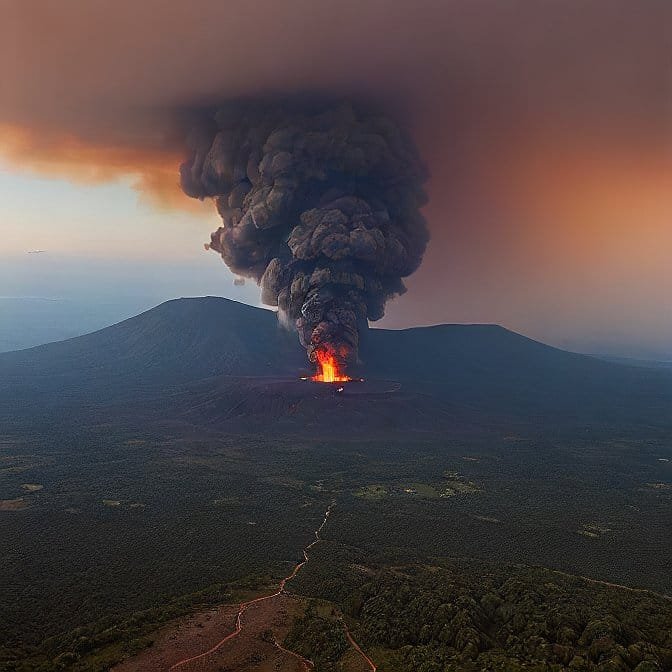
328,369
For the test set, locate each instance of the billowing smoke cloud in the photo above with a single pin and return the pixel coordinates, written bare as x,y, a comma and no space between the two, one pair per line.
320,205
546,127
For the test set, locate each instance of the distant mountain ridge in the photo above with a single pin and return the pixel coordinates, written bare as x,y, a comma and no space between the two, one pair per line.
177,341
183,341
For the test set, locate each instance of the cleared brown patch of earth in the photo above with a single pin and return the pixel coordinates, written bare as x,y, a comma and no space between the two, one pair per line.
253,648
252,640
183,638
13,504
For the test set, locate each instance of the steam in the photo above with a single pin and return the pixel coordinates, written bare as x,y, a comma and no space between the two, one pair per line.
320,205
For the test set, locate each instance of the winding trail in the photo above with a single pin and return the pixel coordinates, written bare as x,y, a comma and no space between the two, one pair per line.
357,648
244,606
609,584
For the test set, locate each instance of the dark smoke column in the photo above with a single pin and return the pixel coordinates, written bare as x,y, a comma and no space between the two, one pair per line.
320,204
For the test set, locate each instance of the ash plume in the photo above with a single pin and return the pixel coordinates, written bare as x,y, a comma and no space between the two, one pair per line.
319,204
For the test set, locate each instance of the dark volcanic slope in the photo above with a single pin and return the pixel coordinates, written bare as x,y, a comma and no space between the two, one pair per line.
476,367
497,370
176,342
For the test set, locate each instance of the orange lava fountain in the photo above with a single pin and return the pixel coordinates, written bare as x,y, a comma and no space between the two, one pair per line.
328,369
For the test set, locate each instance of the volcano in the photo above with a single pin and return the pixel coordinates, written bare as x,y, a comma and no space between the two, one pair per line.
211,359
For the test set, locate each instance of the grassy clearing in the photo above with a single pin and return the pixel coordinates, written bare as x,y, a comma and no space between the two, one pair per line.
664,487
593,530
373,491
456,484
424,490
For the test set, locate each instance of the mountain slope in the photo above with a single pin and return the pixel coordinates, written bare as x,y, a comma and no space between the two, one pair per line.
178,341
496,369
482,367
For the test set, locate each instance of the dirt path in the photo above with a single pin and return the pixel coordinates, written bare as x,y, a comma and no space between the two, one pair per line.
244,606
182,638
254,631
608,584
281,592
357,648
256,646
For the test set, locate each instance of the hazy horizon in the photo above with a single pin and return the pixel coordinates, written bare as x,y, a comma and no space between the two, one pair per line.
117,295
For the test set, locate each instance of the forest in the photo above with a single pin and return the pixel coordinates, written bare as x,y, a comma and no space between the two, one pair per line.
126,525
473,615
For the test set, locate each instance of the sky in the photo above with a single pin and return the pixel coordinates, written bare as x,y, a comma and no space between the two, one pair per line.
546,128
